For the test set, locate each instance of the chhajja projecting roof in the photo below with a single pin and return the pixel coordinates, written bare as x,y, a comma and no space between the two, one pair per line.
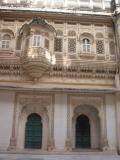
68,4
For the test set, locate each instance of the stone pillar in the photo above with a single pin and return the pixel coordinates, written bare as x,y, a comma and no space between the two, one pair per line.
51,143
103,132
12,144
69,128
91,4
103,4
118,120
110,122
60,121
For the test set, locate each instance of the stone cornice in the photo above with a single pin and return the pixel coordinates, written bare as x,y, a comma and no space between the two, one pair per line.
23,15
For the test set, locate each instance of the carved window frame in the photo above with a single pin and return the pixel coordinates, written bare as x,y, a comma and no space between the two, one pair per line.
72,39
86,46
59,36
90,37
37,41
6,41
112,47
100,44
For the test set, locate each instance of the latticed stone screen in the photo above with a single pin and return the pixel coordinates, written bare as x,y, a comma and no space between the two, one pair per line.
100,47
72,45
58,45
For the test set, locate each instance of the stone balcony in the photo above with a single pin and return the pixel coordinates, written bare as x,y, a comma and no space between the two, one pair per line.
6,52
36,61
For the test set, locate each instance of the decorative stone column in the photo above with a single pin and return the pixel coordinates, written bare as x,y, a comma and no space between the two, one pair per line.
51,143
12,144
68,143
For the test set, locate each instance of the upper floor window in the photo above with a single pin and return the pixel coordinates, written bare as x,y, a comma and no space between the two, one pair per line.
86,45
37,41
100,46
58,42
46,43
71,41
100,43
6,41
112,48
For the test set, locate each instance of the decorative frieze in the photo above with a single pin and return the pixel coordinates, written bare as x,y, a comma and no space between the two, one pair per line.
43,101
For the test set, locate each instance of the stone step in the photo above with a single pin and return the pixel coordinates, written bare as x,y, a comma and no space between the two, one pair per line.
57,157
62,152
58,152
15,156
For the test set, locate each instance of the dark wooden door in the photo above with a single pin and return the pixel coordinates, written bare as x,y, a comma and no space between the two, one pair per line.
33,132
82,132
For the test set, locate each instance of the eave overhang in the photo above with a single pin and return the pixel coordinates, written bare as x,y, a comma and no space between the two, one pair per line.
71,15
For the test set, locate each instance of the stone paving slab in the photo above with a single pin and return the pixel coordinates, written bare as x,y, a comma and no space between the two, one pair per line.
57,157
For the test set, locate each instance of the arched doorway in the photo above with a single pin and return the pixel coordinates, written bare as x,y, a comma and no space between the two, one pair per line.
33,132
83,138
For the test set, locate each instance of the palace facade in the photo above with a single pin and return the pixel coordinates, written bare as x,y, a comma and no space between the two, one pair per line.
60,75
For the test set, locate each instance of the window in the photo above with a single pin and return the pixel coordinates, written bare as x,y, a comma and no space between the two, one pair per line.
112,47
58,41
6,42
72,41
46,43
86,45
58,44
100,47
37,41
72,45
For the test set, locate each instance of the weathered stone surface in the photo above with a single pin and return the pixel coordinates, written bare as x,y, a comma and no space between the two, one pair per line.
57,157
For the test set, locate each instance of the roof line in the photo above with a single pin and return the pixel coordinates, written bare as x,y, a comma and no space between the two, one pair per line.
71,11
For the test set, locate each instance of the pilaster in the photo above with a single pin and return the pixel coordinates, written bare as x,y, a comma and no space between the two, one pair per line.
118,120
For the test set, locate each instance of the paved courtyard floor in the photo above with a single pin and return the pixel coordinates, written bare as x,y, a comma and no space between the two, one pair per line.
57,157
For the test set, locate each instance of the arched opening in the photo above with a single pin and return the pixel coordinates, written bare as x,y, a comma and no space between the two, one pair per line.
33,132
86,45
6,41
83,138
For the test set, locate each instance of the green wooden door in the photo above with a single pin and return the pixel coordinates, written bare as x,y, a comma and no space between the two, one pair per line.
82,132
33,132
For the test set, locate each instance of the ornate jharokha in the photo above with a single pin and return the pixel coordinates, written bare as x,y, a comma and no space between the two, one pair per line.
36,55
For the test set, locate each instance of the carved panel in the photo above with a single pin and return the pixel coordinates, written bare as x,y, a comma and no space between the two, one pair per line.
89,101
